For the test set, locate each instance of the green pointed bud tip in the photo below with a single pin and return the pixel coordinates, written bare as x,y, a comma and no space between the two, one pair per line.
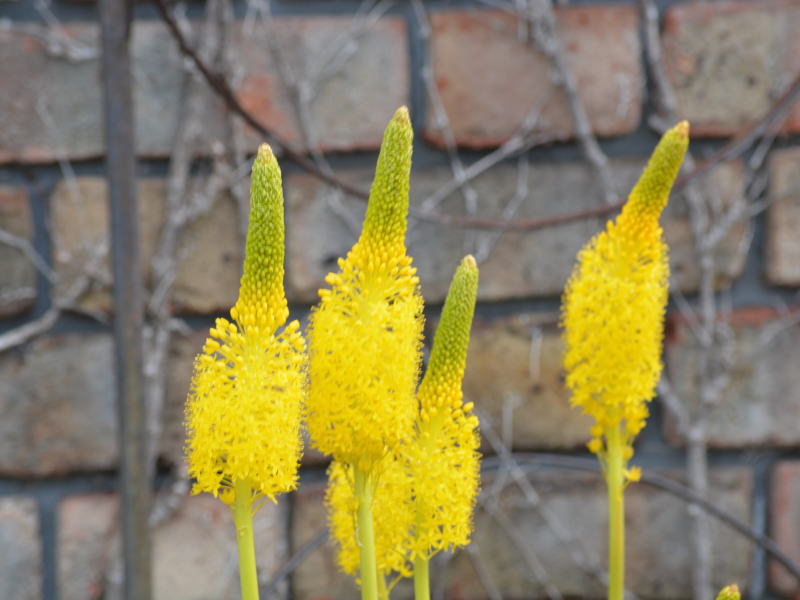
468,262
651,192
265,154
387,209
730,592
451,340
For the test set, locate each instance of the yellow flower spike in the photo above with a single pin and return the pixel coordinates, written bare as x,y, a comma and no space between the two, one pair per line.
730,592
244,409
613,319
614,303
446,455
365,335
365,342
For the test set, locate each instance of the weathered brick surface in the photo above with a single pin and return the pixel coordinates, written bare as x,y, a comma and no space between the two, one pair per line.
209,254
758,406
194,552
57,402
514,376
17,276
318,577
784,515
783,218
323,226
56,109
729,60
21,564
86,544
479,58
575,507
657,525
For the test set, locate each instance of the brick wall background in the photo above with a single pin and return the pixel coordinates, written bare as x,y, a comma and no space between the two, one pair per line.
488,106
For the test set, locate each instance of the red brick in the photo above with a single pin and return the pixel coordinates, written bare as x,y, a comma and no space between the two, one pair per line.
759,406
55,110
20,547
18,275
728,61
784,516
783,218
489,79
322,225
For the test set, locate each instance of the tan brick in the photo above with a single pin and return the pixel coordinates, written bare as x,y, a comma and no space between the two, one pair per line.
758,406
568,522
86,544
489,79
322,225
194,552
18,275
20,547
729,60
783,218
784,504
209,254
57,402
56,109
318,577
515,378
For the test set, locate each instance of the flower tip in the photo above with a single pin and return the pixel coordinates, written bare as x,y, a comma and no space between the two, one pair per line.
468,262
265,154
401,116
730,592
682,129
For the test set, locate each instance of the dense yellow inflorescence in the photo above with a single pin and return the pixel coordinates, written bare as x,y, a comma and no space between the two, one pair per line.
365,335
426,488
392,514
614,304
245,405
444,459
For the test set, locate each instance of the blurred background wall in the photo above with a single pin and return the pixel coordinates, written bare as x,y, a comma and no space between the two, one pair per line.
523,112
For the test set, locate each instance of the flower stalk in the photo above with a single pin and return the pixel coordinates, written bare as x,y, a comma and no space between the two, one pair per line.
366,536
243,520
613,319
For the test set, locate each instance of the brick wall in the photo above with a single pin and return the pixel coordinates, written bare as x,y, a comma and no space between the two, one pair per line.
727,61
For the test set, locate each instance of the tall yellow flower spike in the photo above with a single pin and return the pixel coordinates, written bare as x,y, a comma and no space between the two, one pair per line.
613,319
244,408
365,336
444,459
426,491
730,592
365,341
245,405
614,303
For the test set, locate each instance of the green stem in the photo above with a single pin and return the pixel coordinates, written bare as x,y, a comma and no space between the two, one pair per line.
383,590
422,586
615,482
366,536
243,519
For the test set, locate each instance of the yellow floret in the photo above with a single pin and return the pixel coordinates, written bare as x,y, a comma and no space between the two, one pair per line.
365,335
614,304
245,406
